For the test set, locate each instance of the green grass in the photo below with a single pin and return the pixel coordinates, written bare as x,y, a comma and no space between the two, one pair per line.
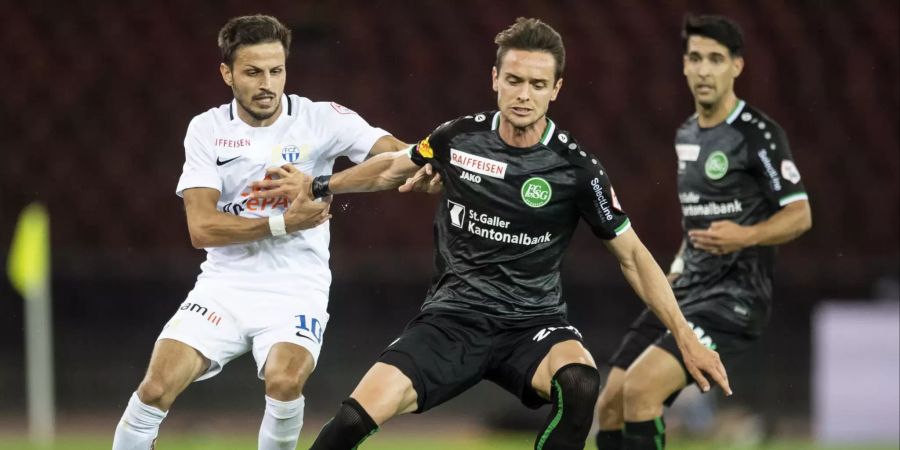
500,442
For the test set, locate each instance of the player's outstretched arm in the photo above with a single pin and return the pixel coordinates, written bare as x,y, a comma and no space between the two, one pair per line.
379,173
209,227
648,281
287,181
387,144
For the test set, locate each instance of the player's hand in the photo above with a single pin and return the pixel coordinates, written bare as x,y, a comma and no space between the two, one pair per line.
305,212
425,180
722,237
286,181
700,360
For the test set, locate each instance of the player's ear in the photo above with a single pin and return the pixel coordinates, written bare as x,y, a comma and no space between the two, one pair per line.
227,76
738,64
494,80
556,89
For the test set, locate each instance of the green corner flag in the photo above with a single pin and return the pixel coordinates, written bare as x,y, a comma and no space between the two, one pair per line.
29,258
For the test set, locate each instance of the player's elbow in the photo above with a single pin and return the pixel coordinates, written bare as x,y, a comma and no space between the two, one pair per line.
805,222
198,241
199,237
630,265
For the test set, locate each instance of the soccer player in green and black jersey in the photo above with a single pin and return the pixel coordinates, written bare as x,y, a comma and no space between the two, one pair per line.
515,187
741,195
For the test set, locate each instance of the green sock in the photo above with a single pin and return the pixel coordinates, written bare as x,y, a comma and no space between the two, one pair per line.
609,440
647,435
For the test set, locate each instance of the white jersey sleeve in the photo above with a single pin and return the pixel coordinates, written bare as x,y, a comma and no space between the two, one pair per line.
200,160
350,135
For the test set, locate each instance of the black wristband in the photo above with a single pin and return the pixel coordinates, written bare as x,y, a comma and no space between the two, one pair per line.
320,186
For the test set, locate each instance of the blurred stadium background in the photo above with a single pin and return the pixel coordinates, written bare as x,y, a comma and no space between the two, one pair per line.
98,96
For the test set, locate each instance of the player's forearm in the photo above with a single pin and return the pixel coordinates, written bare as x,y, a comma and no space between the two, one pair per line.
648,281
379,173
784,226
217,229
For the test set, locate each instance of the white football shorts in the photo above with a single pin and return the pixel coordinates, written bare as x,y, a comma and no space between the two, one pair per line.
224,322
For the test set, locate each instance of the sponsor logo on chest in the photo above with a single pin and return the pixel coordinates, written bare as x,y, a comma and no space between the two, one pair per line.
536,192
231,143
478,164
716,165
687,152
291,153
490,227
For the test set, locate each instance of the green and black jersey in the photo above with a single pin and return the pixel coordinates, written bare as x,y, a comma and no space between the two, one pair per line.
740,170
507,215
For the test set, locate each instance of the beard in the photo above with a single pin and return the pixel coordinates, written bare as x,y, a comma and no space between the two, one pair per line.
709,103
256,114
259,115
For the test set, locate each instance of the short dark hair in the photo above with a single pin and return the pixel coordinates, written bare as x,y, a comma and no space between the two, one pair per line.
532,35
250,30
719,28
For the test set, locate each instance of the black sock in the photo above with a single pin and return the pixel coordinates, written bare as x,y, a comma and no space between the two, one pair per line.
573,393
609,440
347,429
648,435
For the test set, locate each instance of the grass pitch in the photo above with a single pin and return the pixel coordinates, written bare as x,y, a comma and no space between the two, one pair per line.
386,442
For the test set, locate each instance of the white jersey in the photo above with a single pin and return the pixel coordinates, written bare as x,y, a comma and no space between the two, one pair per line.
222,152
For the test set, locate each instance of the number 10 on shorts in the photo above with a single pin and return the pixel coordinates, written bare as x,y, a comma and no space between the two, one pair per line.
311,330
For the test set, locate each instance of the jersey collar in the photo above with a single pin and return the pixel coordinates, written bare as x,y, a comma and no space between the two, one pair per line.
287,108
545,138
735,112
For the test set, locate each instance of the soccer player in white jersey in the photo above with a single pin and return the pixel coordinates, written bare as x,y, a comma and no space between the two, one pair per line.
264,285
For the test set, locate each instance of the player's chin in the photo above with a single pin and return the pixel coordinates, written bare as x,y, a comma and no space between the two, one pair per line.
706,101
706,96
522,121
264,107
262,113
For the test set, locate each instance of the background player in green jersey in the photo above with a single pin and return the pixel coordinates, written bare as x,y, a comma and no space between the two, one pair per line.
741,195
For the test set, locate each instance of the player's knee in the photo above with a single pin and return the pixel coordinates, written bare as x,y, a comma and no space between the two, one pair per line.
579,380
579,385
153,391
574,394
637,392
609,408
285,385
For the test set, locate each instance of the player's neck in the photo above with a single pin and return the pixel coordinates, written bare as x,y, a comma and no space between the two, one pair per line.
247,118
522,137
708,117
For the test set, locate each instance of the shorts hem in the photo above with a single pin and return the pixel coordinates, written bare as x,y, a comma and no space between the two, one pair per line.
261,365
215,366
